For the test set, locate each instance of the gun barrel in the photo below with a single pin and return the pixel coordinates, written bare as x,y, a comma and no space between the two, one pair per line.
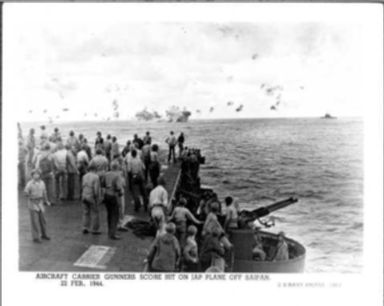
266,210
281,204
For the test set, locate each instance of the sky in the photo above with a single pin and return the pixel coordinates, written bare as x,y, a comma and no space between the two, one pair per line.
72,62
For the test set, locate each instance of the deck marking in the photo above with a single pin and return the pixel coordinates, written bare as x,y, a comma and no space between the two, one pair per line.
96,256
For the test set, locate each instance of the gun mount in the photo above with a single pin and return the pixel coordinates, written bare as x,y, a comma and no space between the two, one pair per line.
248,216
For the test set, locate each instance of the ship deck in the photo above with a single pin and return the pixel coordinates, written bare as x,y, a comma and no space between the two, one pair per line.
70,250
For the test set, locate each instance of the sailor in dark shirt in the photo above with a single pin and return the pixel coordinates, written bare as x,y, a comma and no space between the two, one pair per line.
138,141
108,147
87,148
99,142
147,138
180,142
171,141
126,149
113,184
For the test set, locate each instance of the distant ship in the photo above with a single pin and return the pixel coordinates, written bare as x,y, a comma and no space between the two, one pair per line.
328,116
174,114
146,115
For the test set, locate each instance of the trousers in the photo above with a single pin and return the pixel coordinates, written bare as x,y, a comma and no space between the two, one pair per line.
121,202
138,189
71,186
60,184
38,224
112,206
91,215
154,172
171,154
22,174
48,181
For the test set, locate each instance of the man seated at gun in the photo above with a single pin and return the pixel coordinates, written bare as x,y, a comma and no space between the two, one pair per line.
282,252
231,215
257,249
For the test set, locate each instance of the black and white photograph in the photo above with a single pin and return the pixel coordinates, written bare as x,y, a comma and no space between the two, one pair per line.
192,139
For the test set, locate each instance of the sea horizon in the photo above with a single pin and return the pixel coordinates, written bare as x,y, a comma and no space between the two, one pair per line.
189,120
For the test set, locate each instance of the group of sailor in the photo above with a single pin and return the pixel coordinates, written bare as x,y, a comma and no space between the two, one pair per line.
104,174
186,239
195,238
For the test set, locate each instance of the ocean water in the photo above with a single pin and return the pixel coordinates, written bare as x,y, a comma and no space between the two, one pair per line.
259,161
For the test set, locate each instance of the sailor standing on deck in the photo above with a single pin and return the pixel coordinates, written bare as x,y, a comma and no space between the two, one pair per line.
91,198
171,141
138,142
82,161
147,157
115,150
43,136
108,147
112,182
126,149
180,142
99,142
87,148
45,164
147,138
100,162
72,171
136,169
121,225
56,136
23,154
158,205
73,143
154,166
31,144
37,195
60,171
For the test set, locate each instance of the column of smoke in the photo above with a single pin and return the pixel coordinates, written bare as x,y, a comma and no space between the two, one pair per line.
115,106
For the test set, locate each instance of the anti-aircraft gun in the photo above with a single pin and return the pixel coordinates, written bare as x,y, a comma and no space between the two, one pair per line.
246,216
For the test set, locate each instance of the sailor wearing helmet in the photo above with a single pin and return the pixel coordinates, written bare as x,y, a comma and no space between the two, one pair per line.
282,248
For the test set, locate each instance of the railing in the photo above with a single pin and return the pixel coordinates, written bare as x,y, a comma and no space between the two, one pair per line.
176,185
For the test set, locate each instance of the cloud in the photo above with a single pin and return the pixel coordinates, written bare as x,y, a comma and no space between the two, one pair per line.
195,65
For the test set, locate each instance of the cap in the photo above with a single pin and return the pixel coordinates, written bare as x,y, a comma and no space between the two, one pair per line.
170,228
192,230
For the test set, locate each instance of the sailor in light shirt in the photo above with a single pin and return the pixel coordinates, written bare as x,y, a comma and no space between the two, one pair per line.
37,195
100,162
158,205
